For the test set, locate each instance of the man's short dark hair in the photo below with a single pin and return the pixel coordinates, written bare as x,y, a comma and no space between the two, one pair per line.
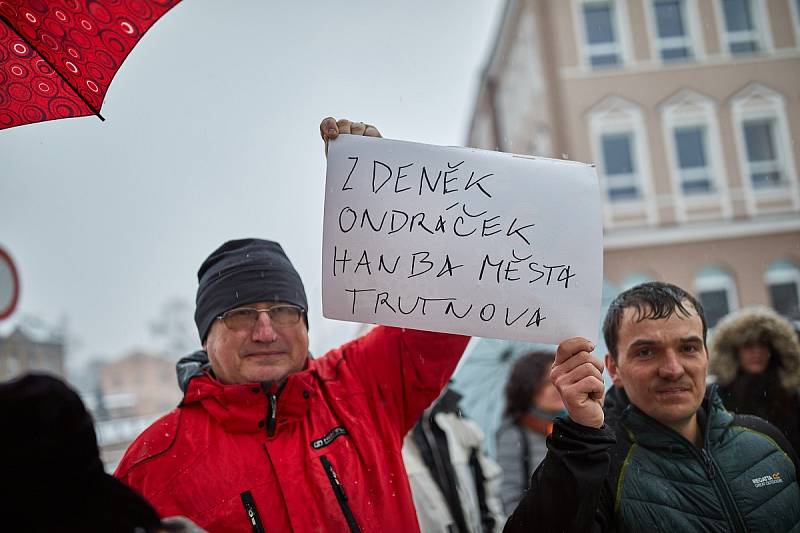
653,300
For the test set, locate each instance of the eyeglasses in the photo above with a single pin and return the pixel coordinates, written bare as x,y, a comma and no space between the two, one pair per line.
244,318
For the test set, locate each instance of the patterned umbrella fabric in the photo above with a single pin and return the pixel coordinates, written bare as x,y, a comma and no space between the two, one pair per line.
57,58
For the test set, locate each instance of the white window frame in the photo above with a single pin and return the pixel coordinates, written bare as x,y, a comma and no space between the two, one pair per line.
692,109
757,102
615,115
692,40
780,272
761,34
717,278
622,46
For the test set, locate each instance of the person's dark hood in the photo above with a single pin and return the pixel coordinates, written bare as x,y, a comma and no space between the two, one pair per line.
754,325
448,402
194,364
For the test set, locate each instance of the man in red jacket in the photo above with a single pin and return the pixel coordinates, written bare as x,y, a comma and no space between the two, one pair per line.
268,438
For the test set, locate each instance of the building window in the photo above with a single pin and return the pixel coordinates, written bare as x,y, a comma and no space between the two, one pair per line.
672,34
619,166
692,160
601,33
741,26
763,161
717,294
694,155
619,145
764,146
783,282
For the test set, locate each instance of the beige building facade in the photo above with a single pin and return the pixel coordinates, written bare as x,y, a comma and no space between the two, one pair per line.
690,110
139,384
134,392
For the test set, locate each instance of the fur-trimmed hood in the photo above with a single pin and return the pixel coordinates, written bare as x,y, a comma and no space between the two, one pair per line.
750,325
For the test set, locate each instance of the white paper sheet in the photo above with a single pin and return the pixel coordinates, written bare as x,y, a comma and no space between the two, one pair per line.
461,240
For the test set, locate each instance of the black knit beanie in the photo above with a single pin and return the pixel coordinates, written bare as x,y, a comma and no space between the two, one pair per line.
242,272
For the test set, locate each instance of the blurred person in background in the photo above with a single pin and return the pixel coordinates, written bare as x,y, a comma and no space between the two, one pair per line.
531,404
52,475
755,357
455,485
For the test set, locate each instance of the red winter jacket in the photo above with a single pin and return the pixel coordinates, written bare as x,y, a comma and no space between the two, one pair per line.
329,460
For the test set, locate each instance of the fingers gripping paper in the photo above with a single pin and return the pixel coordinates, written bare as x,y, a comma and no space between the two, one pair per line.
461,240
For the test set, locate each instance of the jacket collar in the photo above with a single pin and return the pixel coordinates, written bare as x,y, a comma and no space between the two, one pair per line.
712,417
245,407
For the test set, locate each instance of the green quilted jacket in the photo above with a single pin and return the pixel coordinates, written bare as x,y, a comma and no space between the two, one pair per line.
635,474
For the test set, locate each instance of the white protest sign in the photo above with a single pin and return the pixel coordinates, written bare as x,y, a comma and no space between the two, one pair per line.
461,240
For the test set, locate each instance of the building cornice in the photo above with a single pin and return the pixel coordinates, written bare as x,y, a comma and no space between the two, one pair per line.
649,66
636,238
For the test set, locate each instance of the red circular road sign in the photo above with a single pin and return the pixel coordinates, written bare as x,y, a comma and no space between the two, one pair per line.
9,285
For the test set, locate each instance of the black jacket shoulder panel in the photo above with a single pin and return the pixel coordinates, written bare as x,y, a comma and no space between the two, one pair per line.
762,426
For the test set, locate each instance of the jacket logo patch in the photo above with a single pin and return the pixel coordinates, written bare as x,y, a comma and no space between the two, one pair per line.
332,435
772,479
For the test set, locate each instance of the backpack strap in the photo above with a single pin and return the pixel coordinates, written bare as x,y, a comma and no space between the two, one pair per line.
487,519
762,426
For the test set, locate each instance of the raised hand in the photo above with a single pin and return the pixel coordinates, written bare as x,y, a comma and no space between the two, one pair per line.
330,128
578,376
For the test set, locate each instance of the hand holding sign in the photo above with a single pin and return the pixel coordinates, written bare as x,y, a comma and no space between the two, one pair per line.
578,376
330,128
460,240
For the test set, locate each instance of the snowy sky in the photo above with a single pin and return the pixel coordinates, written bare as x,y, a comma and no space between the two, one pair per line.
212,134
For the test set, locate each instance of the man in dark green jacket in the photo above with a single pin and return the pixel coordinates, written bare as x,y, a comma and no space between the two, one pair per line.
663,454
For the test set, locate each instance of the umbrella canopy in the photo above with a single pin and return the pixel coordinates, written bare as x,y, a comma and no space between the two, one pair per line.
481,379
57,59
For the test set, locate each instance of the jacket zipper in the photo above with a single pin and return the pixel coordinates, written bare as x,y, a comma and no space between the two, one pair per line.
341,497
709,465
270,390
252,512
722,488
271,417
